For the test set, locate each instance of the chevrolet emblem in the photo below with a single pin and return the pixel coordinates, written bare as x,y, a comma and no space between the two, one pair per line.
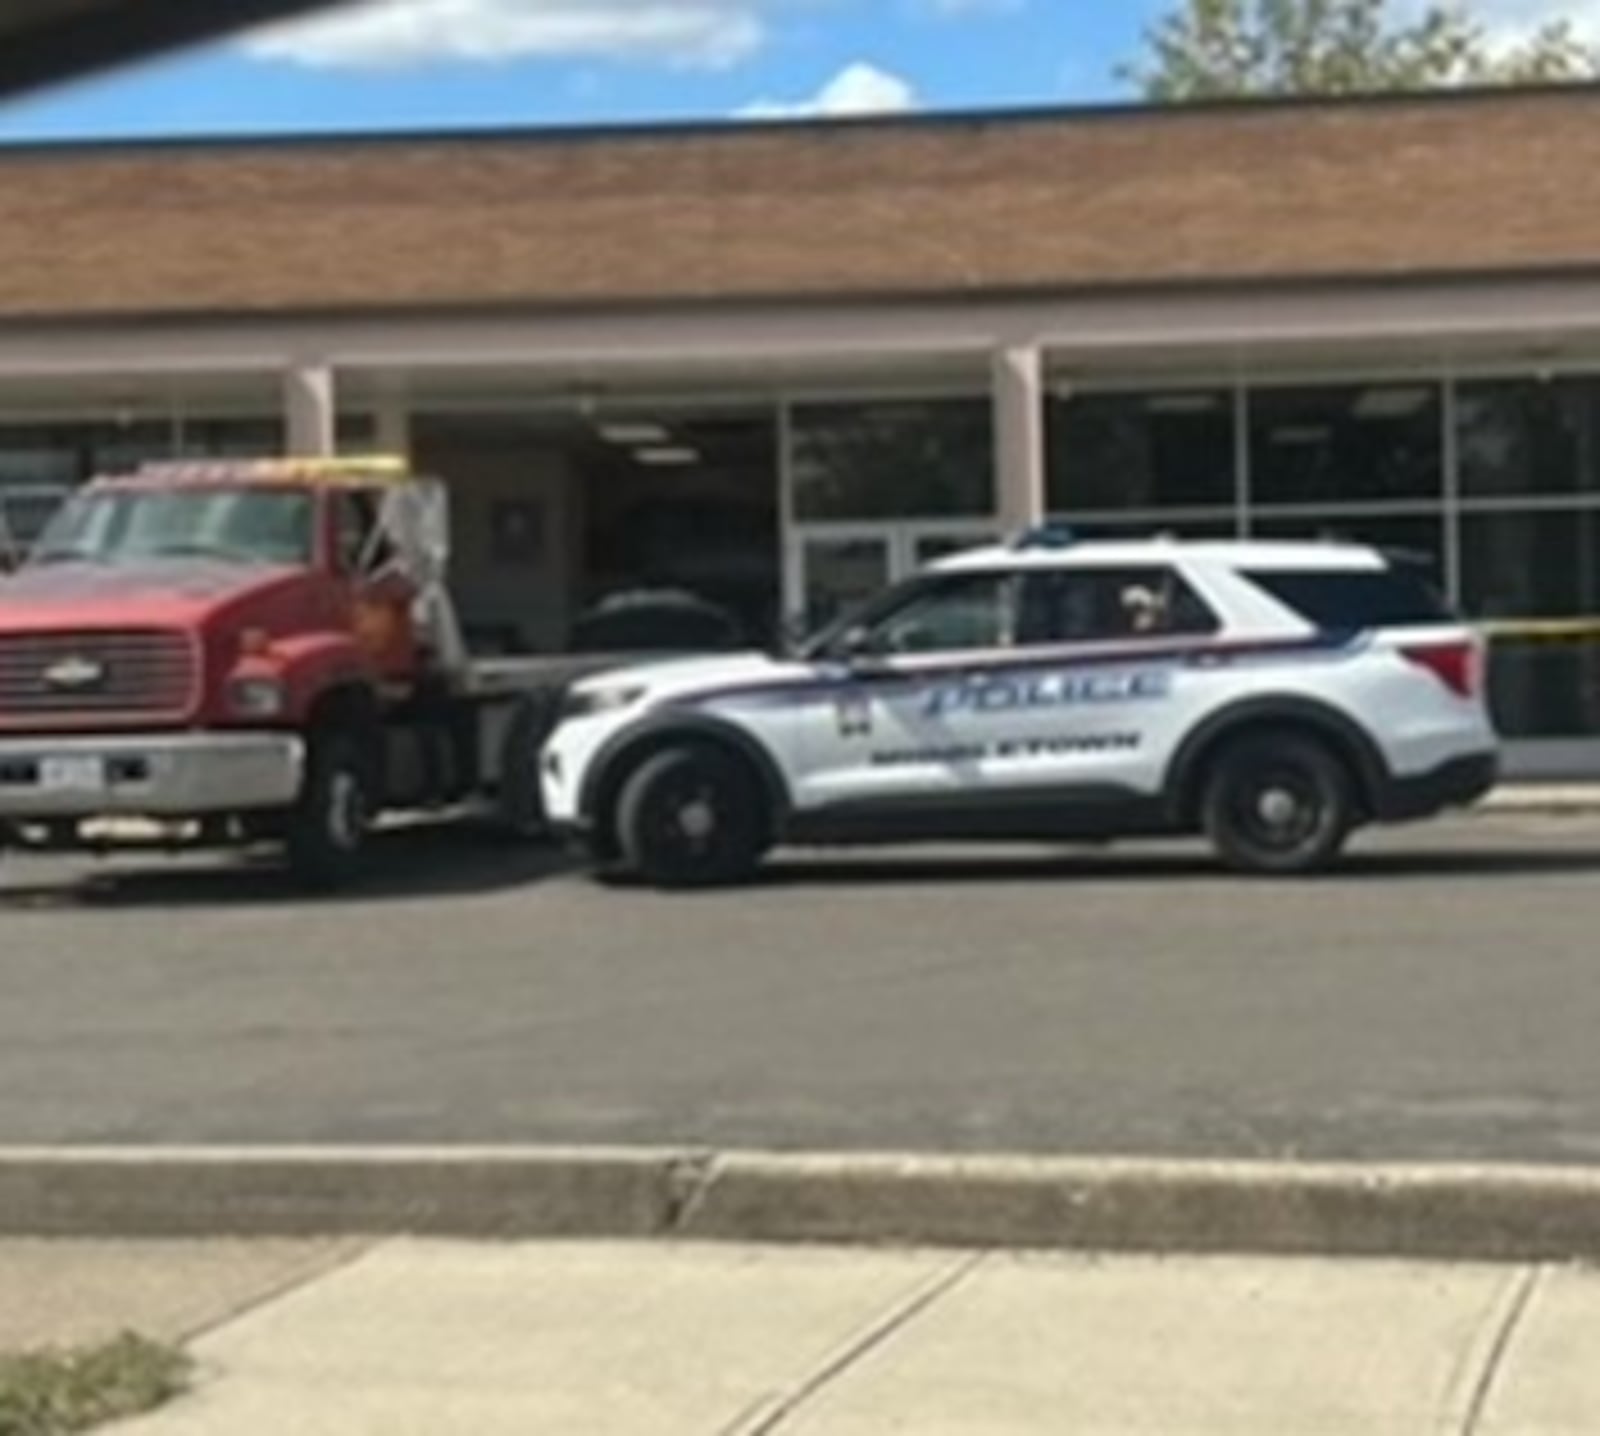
75,675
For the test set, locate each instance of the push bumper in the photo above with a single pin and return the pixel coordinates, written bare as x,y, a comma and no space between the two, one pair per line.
1458,783
148,776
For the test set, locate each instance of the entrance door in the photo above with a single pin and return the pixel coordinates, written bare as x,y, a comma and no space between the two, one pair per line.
835,567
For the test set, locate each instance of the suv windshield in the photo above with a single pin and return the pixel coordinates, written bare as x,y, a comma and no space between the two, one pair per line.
129,526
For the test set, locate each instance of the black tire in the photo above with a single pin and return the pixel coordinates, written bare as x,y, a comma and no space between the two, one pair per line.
327,833
692,817
519,814
1278,805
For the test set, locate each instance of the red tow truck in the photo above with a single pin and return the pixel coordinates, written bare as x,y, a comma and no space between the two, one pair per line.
249,652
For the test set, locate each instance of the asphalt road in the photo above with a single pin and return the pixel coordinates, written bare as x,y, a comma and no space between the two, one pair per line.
1440,999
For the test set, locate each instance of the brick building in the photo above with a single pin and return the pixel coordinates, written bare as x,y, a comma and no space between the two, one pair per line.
778,364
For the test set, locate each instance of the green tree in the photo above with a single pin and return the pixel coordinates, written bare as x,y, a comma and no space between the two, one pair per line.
1213,49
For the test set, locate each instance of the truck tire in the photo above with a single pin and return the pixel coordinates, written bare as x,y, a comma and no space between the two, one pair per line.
327,832
1278,805
691,817
519,809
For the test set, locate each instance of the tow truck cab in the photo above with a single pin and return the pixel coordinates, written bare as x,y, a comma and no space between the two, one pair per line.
245,651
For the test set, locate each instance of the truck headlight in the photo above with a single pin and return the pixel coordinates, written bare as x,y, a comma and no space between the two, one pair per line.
592,702
257,697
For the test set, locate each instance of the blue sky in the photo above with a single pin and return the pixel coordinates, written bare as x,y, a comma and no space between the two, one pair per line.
445,63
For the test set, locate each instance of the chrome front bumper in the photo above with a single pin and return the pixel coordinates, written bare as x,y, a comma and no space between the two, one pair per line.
149,776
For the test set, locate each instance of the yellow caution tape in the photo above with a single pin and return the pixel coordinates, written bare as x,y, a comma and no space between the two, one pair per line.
1541,630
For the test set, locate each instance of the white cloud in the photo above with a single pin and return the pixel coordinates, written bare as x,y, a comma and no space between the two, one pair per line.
1523,16
1510,22
858,89
397,34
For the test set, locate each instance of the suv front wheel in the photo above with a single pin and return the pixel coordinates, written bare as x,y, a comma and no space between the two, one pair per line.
1278,804
691,816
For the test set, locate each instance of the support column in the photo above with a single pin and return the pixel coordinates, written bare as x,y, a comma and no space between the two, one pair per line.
392,426
309,410
1019,436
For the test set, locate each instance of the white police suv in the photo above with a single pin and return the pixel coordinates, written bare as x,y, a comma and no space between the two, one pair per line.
1272,696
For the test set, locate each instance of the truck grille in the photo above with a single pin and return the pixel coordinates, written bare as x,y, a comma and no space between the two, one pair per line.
69,678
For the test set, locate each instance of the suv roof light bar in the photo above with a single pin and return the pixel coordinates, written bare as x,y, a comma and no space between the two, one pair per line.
1044,536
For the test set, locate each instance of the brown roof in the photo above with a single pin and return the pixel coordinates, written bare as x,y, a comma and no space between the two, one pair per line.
1422,186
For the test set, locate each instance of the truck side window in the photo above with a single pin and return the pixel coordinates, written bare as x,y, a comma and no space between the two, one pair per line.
1087,605
363,547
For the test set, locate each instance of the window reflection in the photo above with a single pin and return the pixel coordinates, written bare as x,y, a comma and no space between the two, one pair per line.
925,459
1350,444
1418,538
1142,451
1524,436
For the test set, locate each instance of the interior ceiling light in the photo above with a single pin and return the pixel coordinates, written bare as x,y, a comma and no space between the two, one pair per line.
1302,434
1391,403
668,456
1181,403
630,435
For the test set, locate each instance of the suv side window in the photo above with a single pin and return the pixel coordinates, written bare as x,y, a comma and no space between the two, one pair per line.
963,611
1090,605
1354,599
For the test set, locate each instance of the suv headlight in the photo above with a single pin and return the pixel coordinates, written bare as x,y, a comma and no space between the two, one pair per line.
257,697
592,702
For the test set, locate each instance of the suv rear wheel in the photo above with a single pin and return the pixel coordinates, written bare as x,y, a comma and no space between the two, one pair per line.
691,817
1278,804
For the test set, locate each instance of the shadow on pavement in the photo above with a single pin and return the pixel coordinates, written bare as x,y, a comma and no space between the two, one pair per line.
1132,865
414,863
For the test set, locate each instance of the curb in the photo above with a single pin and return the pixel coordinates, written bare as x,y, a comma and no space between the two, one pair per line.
1423,1212
1574,799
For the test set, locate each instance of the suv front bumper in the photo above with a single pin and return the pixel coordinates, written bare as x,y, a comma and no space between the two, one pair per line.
148,776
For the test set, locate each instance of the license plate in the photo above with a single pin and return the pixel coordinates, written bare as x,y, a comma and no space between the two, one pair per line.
72,775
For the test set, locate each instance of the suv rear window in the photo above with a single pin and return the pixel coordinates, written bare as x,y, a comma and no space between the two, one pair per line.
1355,599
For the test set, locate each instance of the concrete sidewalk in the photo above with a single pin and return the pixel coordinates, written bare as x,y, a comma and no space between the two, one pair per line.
419,1338
1546,797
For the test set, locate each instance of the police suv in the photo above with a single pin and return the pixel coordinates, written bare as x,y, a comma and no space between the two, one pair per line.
1271,696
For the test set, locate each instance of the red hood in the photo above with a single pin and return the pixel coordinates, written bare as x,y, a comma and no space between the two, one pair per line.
177,593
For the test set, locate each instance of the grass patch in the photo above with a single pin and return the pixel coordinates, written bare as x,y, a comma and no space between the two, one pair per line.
58,1393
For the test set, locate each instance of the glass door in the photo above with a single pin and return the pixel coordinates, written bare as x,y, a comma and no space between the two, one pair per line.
836,567
837,571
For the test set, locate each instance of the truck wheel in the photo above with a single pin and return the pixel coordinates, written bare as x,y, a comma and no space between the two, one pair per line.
519,812
691,817
328,829
1278,805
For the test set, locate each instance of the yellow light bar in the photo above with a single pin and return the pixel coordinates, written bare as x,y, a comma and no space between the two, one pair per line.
346,469
1542,630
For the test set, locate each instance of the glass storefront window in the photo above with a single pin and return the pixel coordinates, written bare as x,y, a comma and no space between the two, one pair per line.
233,438
29,460
1163,450
115,449
1418,538
929,458
1523,436
1154,527
1523,565
1531,565
1346,444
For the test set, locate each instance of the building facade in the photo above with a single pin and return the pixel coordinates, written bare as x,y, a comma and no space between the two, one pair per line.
780,365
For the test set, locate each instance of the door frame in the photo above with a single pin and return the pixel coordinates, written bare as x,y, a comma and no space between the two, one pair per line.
901,540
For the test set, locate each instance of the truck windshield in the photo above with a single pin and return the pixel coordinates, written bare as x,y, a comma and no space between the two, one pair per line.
128,526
